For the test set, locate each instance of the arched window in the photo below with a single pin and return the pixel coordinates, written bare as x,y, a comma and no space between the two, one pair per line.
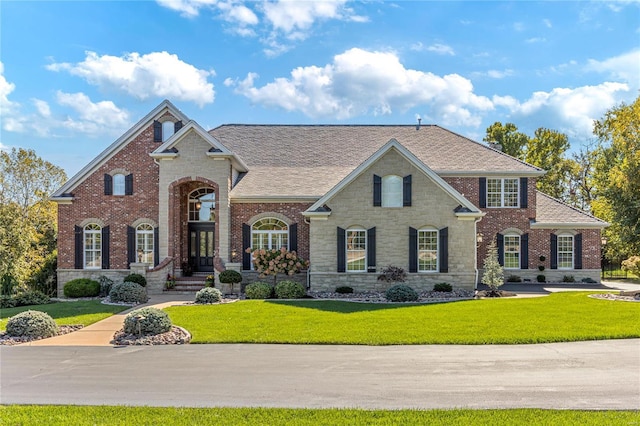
356,245
202,205
428,250
391,191
92,246
269,233
168,129
118,184
144,243
565,251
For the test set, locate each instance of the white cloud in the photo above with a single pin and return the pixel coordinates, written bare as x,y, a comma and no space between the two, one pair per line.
92,116
547,23
518,26
42,107
187,8
624,67
360,82
535,40
5,90
441,49
158,74
497,74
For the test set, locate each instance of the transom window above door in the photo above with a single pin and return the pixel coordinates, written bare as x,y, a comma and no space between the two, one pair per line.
202,205
269,233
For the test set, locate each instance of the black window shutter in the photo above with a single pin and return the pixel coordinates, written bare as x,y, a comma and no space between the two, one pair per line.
371,249
108,184
377,191
177,126
156,246
413,250
500,244
483,192
524,251
444,250
157,131
128,184
246,243
79,244
524,202
105,247
293,237
577,251
406,191
554,251
341,250
131,245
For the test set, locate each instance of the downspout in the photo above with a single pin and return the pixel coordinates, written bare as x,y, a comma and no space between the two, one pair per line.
475,236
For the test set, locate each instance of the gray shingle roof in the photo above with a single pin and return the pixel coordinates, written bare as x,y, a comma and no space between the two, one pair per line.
550,211
313,158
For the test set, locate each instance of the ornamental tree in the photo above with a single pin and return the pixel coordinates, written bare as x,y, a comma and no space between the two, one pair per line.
273,262
493,275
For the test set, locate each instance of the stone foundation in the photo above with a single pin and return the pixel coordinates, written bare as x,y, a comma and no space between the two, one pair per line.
551,275
328,281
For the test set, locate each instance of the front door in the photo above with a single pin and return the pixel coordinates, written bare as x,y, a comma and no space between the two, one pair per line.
201,246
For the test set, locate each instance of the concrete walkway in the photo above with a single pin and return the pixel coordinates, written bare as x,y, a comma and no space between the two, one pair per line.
101,333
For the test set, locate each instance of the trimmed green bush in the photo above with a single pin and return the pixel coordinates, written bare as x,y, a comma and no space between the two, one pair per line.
289,290
31,298
208,295
589,280
344,290
541,279
7,302
81,287
147,321
568,279
128,292
443,287
136,278
259,290
105,285
401,293
32,324
230,277
514,279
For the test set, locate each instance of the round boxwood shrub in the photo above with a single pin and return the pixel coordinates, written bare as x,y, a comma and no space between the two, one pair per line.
258,290
136,278
81,287
147,321
208,295
128,292
289,290
443,287
401,293
344,290
32,324
230,277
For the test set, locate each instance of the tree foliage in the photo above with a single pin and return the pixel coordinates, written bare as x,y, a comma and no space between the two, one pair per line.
493,275
27,217
513,142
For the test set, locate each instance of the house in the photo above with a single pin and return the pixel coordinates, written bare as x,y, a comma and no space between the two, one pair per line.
169,196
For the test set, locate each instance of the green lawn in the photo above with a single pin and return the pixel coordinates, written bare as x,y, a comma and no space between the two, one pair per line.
106,415
67,313
559,317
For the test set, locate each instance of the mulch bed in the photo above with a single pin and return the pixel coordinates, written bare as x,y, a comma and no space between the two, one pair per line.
7,340
175,336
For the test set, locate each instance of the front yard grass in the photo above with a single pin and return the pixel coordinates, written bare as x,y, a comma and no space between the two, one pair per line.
116,415
559,317
84,312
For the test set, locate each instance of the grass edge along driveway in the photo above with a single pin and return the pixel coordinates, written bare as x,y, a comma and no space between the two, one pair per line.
559,317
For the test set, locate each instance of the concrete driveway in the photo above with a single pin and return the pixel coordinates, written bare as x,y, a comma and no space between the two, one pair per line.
579,375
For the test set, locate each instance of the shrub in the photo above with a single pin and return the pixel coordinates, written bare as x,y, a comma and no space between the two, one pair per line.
589,280
514,279
32,324
444,287
128,292
105,285
208,295
274,262
230,277
542,258
45,279
392,274
148,321
136,278
81,287
632,265
289,290
541,278
344,290
7,284
31,298
568,279
259,290
210,281
401,293
7,302
541,268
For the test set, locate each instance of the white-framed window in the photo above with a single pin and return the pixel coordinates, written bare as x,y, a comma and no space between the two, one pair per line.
202,205
144,243
92,246
118,184
503,192
391,191
427,250
269,233
565,251
356,246
511,251
168,129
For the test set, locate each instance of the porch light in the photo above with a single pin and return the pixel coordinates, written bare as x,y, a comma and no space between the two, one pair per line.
198,205
479,238
603,240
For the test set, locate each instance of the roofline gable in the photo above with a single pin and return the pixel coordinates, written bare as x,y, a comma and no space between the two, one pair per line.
115,147
409,156
595,223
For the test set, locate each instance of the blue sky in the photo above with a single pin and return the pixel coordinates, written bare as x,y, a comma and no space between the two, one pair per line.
76,75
